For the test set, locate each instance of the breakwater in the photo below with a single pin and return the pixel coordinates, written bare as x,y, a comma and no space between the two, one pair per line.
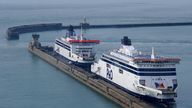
13,32
141,25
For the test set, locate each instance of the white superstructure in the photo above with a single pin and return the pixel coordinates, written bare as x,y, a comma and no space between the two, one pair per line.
141,74
76,49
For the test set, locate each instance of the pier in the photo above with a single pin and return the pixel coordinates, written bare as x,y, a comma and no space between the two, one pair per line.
14,32
89,79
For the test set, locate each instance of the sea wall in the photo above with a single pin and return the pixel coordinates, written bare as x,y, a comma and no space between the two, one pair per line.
141,25
13,32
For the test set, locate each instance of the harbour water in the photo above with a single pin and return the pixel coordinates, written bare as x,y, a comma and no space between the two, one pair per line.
28,82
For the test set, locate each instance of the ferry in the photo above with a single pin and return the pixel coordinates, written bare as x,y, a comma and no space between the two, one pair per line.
76,49
148,76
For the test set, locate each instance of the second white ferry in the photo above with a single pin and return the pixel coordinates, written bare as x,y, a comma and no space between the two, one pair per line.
76,49
144,75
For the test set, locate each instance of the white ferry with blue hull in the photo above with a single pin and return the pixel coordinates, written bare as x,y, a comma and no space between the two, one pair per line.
144,75
77,50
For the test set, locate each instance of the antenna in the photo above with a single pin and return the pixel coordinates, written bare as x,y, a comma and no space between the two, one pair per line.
84,20
81,35
153,53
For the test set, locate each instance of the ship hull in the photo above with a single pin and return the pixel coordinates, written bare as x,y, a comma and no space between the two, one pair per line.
142,97
128,79
85,66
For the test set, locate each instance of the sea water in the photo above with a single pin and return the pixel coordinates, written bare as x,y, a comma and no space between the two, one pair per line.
26,81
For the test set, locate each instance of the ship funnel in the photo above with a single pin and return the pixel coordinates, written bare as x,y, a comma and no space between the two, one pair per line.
126,41
71,31
153,53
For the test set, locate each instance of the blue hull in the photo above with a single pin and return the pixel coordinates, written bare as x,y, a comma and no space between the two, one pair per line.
85,66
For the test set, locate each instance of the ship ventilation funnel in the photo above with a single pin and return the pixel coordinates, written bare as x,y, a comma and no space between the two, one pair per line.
126,41
71,31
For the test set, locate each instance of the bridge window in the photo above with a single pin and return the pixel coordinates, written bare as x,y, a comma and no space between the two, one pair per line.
108,65
69,54
120,71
